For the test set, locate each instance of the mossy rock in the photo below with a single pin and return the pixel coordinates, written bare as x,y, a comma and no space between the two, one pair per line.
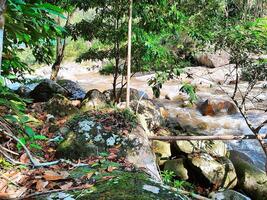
60,106
125,185
251,180
218,171
94,132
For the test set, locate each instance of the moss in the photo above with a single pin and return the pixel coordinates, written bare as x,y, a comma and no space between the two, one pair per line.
127,185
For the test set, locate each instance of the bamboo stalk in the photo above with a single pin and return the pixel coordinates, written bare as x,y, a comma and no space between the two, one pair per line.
208,137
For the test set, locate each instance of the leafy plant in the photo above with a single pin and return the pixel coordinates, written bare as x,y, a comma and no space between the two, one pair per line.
169,179
190,90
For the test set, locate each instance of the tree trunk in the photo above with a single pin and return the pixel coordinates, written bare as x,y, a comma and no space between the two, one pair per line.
129,57
2,23
61,44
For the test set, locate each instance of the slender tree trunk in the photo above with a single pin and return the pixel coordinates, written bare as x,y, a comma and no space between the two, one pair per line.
129,57
61,44
2,23
117,63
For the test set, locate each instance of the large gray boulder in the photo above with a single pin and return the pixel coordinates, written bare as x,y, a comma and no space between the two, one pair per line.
219,172
213,60
93,99
74,89
46,90
251,180
149,112
60,106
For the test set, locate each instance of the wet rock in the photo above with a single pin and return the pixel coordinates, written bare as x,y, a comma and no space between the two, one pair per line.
162,150
251,180
240,155
60,106
214,148
213,60
46,90
177,166
228,195
74,89
214,107
219,172
93,99
134,94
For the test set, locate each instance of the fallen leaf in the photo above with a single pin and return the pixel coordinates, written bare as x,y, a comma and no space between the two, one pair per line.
89,175
112,156
104,178
3,184
40,185
66,186
113,150
111,168
55,176
4,195
18,193
24,158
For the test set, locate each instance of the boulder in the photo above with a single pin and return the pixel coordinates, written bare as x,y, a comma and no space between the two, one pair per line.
24,91
213,148
149,112
214,107
228,195
134,185
162,150
60,106
220,172
93,99
134,94
87,137
251,180
74,89
213,60
142,155
46,90
177,166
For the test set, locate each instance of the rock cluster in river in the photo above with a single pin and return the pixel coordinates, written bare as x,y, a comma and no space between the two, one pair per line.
202,162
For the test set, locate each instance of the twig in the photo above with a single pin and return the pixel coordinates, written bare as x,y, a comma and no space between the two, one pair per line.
8,150
51,191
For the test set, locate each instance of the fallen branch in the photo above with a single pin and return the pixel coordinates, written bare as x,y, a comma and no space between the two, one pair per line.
52,191
209,137
33,161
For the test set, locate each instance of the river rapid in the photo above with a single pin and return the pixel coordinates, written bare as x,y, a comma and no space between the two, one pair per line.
210,83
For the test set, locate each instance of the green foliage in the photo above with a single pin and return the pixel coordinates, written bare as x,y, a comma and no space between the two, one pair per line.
130,117
4,164
29,24
168,178
190,90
